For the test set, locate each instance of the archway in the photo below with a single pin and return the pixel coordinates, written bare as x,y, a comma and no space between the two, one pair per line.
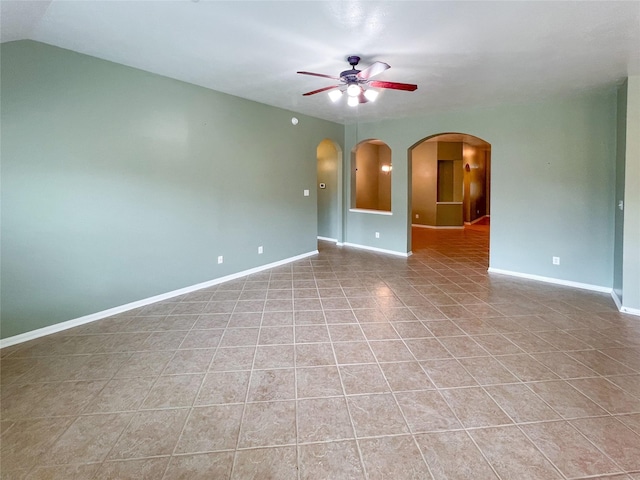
329,184
450,182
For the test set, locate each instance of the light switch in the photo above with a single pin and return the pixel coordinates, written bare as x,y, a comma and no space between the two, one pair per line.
306,193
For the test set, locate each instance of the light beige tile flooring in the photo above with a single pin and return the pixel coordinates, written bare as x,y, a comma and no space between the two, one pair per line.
348,364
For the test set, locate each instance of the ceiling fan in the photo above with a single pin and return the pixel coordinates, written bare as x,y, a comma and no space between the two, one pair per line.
354,82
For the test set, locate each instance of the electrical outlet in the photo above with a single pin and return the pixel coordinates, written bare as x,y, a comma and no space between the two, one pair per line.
377,234
556,260
260,249
306,193
220,259
417,216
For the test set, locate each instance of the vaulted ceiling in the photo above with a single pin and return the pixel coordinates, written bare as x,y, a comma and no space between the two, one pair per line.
461,54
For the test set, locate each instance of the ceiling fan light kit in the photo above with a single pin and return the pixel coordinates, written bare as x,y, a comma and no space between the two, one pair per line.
335,95
355,81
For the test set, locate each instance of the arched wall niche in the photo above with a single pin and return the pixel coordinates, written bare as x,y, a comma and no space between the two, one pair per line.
371,173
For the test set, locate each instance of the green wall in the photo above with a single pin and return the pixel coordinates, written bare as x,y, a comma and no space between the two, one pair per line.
621,141
118,185
552,185
631,248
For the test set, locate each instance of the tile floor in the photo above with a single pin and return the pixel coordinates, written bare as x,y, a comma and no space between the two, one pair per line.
349,365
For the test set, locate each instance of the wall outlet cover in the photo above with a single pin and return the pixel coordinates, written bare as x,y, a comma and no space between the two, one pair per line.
220,259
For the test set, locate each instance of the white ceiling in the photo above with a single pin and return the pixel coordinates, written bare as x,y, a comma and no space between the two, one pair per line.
461,54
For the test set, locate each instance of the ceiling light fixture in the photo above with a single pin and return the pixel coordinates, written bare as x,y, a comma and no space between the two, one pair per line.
335,95
353,90
354,81
371,95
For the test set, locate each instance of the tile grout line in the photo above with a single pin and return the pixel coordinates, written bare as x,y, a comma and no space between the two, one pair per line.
344,392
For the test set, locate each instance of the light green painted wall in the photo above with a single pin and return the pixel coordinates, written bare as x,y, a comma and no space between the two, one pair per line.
631,249
621,150
552,185
118,185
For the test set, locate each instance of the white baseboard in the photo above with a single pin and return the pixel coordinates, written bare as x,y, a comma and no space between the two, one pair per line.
616,299
327,239
622,308
476,220
630,311
443,227
76,322
376,249
557,281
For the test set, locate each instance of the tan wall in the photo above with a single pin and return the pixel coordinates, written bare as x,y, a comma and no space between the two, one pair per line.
487,156
367,176
475,193
384,179
423,183
447,214
449,150
372,186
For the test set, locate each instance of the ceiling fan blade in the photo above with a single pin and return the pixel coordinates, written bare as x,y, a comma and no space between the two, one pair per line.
319,75
394,85
373,70
362,98
320,90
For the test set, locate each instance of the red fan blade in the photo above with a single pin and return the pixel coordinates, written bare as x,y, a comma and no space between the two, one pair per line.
320,90
362,98
319,75
394,85
373,70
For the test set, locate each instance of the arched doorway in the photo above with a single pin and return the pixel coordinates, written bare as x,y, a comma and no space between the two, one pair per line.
450,182
329,184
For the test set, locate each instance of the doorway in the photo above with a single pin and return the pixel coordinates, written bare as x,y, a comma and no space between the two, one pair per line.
329,185
450,183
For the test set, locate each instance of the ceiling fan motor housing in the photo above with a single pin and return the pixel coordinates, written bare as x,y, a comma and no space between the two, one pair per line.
350,76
